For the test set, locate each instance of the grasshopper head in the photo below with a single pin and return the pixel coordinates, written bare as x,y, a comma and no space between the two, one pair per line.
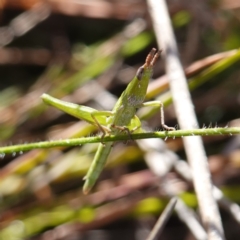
150,61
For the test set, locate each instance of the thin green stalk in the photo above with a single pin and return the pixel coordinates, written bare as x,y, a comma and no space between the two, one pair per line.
79,141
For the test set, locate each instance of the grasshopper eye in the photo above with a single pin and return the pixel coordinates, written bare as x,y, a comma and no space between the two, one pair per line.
139,73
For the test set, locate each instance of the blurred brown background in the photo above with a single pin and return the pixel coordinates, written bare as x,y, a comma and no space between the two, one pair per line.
86,52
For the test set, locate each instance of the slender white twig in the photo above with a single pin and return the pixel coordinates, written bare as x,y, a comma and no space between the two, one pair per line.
187,120
161,160
232,207
188,216
162,219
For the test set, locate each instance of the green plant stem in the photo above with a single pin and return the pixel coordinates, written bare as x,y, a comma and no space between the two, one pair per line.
79,141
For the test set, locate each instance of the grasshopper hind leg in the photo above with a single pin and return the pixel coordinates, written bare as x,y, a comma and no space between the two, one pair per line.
105,130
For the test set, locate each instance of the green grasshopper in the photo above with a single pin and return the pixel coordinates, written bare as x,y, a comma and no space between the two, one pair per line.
121,119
